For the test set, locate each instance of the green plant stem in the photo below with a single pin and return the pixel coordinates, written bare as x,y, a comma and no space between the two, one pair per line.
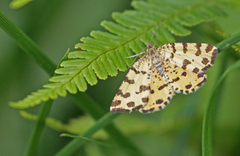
227,43
38,129
208,114
82,100
207,146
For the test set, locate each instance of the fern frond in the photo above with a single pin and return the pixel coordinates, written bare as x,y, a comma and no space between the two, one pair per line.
100,55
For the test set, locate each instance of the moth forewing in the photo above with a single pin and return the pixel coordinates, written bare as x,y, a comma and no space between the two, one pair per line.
135,87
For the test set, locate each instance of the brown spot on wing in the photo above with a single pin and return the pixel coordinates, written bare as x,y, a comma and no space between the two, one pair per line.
198,53
135,70
119,92
185,63
131,104
201,74
126,95
184,74
116,103
147,111
195,70
159,101
205,61
173,47
198,46
209,48
129,81
176,79
163,86
137,108
120,110
143,88
184,47
188,86
145,100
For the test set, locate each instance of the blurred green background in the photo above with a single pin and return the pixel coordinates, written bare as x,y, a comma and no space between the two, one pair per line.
57,25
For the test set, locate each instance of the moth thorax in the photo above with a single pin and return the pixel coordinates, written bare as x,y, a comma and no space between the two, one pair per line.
154,57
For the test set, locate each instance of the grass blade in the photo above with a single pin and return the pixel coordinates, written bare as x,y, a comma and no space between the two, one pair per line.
26,44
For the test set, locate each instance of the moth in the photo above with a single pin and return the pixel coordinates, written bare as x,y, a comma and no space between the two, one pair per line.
163,71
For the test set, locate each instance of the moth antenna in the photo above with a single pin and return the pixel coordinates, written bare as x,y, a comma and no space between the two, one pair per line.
137,54
156,29
135,58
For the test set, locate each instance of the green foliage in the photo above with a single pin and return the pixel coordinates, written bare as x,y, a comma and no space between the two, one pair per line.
75,126
100,55
16,4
